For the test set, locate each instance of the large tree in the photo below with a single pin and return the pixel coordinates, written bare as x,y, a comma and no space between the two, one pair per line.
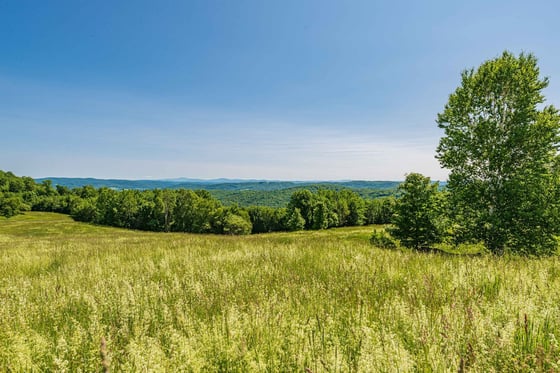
501,146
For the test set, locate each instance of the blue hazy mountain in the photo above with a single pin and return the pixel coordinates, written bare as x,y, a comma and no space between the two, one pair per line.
214,184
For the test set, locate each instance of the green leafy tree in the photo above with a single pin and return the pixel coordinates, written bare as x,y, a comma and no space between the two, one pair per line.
83,210
146,217
236,225
126,209
294,220
380,210
105,202
185,210
266,219
500,145
417,213
356,215
303,200
86,191
11,204
321,215
46,188
17,184
62,190
235,221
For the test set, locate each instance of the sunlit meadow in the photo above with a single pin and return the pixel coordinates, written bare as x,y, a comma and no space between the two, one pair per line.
324,301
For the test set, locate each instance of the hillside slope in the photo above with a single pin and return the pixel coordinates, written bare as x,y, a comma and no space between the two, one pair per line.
321,300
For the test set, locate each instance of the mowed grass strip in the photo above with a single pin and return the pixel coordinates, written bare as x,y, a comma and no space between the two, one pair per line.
327,301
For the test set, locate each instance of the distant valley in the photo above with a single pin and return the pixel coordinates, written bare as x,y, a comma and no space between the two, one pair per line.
238,191
214,184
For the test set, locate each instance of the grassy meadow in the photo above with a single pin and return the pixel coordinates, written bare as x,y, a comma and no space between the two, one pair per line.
324,301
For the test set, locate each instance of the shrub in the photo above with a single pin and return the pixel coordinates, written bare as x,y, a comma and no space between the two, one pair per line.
383,240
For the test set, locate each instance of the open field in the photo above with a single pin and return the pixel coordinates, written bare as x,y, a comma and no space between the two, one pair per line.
327,301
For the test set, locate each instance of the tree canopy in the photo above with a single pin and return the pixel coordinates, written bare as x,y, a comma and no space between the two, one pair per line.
417,213
501,147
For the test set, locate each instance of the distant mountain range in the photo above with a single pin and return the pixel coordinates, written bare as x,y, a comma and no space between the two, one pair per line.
211,181
216,184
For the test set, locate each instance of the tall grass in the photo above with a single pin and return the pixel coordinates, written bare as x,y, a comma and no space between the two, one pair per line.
323,301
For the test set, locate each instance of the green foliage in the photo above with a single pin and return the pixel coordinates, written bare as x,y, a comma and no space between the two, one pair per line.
195,212
328,208
281,197
294,220
12,192
84,210
382,239
380,210
11,204
501,148
181,210
418,213
236,225
303,201
267,219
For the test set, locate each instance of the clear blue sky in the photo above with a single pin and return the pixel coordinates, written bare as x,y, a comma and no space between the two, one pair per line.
246,89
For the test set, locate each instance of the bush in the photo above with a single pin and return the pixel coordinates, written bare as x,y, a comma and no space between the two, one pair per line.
84,210
11,204
383,240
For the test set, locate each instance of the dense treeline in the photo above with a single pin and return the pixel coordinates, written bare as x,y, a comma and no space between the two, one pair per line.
281,197
184,210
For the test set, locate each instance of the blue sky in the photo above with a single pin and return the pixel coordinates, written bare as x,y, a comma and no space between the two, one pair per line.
293,90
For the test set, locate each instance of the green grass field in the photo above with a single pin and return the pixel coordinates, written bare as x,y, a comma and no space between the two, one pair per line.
323,301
